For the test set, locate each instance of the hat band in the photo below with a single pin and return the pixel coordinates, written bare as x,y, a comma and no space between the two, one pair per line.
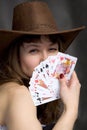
36,28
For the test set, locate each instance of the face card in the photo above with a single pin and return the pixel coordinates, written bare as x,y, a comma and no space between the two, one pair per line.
66,64
44,83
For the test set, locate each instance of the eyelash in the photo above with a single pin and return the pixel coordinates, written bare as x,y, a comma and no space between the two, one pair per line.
33,51
36,50
53,49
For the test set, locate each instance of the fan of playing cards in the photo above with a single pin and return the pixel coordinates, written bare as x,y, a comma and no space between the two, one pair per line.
44,84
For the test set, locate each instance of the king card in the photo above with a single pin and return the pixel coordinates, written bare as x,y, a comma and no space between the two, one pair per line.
44,84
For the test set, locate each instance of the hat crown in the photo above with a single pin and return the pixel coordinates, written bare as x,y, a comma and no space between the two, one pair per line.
33,17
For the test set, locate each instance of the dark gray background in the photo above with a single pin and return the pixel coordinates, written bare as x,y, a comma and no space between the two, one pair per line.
68,14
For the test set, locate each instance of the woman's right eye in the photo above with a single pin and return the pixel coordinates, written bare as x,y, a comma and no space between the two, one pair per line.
33,51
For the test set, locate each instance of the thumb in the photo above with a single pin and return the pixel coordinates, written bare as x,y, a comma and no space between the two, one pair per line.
62,80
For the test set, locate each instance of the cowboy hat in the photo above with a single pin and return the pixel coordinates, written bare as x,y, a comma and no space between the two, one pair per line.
34,18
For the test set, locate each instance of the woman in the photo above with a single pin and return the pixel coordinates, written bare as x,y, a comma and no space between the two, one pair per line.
34,37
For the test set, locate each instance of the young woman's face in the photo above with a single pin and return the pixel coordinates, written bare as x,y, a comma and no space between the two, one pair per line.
31,54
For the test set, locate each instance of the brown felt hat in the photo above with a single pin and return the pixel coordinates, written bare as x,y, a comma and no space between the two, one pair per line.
34,18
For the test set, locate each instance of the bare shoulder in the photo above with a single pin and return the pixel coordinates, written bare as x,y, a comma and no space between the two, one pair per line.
12,90
17,99
20,111
19,93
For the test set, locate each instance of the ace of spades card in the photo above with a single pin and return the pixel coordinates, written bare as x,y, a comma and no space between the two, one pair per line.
44,84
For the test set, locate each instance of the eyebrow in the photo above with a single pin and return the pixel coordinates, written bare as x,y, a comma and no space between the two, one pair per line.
30,44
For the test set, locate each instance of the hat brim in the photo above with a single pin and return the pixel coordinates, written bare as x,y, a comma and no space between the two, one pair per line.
6,37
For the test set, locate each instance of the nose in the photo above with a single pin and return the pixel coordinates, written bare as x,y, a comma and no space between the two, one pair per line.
44,55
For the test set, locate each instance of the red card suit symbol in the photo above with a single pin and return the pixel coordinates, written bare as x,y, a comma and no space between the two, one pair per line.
44,84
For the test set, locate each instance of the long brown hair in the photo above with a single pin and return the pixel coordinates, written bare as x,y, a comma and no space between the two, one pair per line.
10,70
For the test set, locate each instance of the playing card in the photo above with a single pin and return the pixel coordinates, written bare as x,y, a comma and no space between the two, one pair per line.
44,84
65,65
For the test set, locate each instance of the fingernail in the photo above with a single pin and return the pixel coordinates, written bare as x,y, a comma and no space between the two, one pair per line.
61,76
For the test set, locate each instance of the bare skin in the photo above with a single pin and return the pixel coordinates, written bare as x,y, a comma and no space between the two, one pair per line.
16,106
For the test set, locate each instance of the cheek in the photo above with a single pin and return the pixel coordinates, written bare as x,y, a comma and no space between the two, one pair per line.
28,64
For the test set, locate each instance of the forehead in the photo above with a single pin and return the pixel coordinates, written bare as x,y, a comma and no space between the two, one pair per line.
38,44
36,40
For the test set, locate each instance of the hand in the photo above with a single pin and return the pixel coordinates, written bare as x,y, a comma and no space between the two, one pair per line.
70,92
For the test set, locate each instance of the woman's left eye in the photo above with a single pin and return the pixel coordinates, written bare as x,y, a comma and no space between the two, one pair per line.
53,49
33,51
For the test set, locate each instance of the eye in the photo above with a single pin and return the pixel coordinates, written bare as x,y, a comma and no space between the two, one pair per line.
33,51
53,49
